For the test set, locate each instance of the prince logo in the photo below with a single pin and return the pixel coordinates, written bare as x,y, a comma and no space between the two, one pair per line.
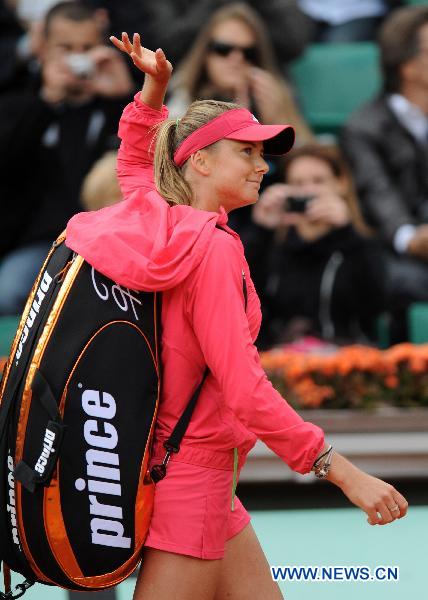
103,471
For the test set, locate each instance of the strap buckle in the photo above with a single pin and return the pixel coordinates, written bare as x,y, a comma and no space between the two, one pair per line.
158,472
18,591
170,449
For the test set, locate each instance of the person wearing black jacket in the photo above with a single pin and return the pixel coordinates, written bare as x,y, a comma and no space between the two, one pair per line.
11,33
50,138
324,275
386,144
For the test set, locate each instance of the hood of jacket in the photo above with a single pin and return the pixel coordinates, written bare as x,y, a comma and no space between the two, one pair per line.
143,243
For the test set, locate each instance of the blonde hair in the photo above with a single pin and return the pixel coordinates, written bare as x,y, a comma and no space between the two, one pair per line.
191,75
101,186
169,178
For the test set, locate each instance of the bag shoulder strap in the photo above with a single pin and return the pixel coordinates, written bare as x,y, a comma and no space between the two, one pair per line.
174,440
172,444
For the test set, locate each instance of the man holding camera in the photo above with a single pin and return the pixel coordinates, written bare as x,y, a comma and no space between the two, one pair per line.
50,138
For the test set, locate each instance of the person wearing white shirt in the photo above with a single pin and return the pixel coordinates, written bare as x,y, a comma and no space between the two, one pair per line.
345,20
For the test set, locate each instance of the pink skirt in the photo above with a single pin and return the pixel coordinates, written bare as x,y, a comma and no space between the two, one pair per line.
192,512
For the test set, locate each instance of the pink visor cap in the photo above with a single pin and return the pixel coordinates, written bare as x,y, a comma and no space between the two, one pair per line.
236,124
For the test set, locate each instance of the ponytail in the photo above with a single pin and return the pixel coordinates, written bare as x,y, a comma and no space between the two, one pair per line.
169,179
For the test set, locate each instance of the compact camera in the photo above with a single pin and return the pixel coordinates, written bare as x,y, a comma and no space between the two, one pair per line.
296,204
81,65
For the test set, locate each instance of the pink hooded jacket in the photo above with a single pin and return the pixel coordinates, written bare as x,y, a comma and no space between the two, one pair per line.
143,243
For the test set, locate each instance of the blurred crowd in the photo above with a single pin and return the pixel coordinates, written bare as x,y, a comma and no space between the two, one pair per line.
339,235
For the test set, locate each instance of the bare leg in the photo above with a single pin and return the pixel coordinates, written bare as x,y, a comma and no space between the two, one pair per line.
245,572
168,576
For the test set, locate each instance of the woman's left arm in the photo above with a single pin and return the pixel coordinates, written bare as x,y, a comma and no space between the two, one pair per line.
216,310
137,127
215,307
379,500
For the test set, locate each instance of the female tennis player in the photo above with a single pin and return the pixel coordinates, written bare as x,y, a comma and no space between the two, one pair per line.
180,179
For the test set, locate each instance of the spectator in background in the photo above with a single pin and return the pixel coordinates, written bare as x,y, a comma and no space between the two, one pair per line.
323,274
21,38
345,20
20,29
232,59
13,48
50,139
386,143
101,186
174,24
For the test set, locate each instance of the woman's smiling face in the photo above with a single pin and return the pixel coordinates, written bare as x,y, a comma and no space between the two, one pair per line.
236,172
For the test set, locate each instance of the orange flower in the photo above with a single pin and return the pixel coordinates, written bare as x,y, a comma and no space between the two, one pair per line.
294,372
310,394
391,381
329,366
417,364
353,375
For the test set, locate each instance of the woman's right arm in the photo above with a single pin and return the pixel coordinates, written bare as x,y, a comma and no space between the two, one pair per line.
137,124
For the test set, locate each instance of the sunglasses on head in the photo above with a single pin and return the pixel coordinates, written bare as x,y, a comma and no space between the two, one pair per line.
250,53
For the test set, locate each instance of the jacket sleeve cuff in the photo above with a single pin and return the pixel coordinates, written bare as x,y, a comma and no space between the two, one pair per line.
313,453
148,111
311,443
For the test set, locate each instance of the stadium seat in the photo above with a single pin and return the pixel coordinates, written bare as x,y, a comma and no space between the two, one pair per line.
8,327
418,323
383,330
332,80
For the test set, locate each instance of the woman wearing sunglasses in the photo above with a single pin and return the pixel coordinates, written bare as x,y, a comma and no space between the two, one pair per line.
180,178
232,59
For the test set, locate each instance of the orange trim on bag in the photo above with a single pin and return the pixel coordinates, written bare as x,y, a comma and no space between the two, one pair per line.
55,527
38,355
6,578
26,401
144,505
25,314
111,579
64,394
143,510
22,537
56,532
63,552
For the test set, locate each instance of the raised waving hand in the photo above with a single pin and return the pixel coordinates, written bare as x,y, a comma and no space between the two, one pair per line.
155,65
152,63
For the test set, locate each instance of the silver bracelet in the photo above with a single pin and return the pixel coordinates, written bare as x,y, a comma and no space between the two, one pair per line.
321,466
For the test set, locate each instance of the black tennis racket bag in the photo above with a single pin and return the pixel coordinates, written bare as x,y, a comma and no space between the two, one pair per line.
78,404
